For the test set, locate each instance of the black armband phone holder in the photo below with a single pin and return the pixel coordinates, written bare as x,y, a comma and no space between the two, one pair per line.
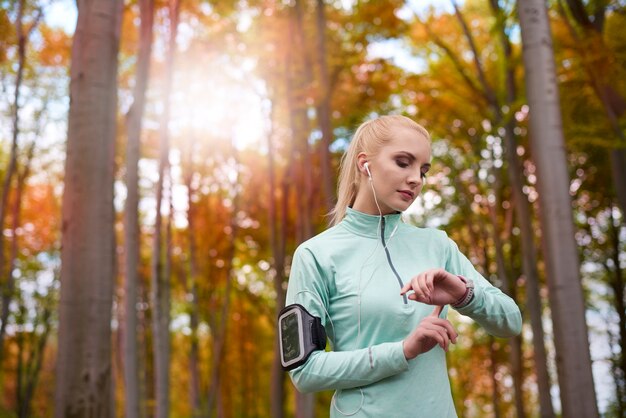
300,334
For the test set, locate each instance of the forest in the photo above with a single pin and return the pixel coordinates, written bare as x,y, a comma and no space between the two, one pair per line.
161,160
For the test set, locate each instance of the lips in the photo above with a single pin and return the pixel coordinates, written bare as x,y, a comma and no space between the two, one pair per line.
407,194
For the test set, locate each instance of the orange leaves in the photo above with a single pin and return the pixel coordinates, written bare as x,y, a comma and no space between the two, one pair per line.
41,223
56,48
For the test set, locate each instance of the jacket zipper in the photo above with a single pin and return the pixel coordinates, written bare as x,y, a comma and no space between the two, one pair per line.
382,238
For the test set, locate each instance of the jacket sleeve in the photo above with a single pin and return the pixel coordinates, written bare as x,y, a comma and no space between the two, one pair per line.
309,286
496,312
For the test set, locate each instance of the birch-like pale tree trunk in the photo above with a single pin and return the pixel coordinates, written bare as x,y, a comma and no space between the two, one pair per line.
160,281
83,368
522,206
131,211
559,246
524,217
305,402
324,109
600,65
299,79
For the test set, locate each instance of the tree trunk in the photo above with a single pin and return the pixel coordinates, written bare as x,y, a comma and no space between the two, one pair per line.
531,273
83,372
214,398
131,213
616,282
10,170
493,358
324,109
300,66
277,404
599,66
192,288
495,395
15,215
523,210
160,287
26,389
560,250
6,294
194,352
298,120
515,343
215,392
524,215
29,370
618,169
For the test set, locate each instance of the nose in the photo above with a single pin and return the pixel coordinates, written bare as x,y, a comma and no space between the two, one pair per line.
415,178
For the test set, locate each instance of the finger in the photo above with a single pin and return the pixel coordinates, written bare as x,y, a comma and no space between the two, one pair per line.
418,290
430,280
448,327
437,311
444,338
423,287
436,336
406,287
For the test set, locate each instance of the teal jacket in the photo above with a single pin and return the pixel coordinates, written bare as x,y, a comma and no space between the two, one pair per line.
343,276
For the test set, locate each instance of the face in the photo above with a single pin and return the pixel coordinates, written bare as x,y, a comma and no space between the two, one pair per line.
398,173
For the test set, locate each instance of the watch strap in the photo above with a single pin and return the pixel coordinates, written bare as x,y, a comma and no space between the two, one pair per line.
467,297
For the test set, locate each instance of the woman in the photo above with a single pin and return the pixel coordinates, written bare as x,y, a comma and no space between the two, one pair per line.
383,288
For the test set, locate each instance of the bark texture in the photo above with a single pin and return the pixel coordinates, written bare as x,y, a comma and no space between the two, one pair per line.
83,372
131,214
560,250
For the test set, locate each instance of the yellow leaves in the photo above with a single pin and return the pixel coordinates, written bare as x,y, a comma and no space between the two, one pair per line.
56,48
7,34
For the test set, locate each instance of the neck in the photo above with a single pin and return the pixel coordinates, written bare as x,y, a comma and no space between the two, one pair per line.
368,225
365,201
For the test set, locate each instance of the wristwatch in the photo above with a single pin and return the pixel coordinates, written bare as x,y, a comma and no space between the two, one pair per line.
468,296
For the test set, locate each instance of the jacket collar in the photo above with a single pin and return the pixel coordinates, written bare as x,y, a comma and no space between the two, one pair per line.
369,225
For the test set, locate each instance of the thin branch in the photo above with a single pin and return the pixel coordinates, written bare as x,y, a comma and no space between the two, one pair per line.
488,91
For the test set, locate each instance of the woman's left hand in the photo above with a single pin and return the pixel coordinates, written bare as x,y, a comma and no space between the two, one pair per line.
435,287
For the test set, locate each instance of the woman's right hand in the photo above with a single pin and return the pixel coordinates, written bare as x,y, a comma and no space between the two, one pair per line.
430,332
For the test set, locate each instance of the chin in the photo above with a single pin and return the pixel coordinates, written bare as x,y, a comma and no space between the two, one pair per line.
400,208
403,206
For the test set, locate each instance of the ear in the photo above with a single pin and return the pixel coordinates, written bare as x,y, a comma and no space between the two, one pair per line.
361,160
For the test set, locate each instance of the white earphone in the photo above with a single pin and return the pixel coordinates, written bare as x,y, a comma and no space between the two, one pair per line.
367,168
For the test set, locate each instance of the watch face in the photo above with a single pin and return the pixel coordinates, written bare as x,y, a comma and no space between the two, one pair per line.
290,337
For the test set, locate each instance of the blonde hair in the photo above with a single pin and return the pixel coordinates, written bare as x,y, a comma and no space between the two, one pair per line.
369,138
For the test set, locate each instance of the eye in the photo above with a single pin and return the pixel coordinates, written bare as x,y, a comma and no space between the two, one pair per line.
402,163
423,175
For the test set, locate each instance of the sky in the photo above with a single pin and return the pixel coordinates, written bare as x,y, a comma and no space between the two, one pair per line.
63,13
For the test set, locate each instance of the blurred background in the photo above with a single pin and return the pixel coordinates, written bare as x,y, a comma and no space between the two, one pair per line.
219,128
